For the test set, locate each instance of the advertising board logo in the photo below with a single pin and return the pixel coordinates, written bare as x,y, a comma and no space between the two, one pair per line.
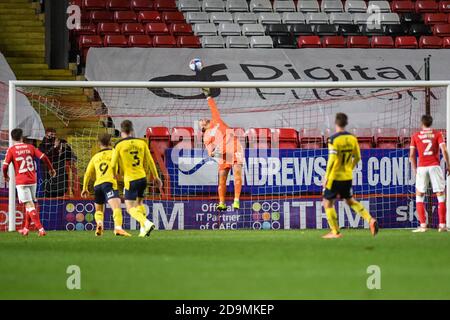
266,215
197,171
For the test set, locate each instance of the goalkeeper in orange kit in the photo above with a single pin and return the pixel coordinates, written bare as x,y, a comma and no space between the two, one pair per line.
224,146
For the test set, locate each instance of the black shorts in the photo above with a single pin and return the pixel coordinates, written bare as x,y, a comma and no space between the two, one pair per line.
342,188
105,192
137,189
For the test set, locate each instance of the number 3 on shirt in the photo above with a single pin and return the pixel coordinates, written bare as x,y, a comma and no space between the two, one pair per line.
137,161
428,151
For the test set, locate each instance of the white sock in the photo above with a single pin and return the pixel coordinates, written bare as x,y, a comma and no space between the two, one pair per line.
118,228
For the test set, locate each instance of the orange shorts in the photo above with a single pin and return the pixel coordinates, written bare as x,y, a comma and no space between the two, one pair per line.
228,160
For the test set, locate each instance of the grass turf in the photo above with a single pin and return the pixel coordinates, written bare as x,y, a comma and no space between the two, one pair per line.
226,265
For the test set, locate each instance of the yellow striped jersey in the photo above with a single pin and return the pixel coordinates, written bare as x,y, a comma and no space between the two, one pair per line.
100,167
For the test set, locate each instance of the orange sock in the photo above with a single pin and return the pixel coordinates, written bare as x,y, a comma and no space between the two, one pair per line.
237,184
222,187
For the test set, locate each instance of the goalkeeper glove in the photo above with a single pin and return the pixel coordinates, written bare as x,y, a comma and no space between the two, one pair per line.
206,92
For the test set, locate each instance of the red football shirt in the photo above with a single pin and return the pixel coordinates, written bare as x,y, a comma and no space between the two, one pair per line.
427,142
22,156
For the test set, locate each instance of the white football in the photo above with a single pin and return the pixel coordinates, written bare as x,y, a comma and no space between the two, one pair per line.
196,64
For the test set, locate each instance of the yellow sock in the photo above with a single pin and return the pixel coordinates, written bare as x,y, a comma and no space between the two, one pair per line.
98,216
142,209
137,215
359,209
332,220
118,218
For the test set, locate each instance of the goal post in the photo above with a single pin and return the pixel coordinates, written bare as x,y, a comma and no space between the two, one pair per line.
114,93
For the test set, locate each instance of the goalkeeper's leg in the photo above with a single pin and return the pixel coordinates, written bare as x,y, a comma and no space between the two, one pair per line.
237,173
222,189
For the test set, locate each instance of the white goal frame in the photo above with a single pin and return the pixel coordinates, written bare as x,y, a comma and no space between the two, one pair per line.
13,84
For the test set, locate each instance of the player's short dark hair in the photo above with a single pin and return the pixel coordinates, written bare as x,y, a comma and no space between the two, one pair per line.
126,126
52,130
427,120
17,134
105,139
341,119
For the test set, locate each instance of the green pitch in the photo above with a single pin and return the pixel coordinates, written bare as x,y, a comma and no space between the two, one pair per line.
226,265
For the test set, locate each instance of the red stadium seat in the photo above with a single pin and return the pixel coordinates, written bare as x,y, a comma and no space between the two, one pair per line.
426,6
173,17
149,16
259,138
108,28
386,138
165,5
76,3
159,139
182,137
140,41
442,30
88,41
309,42
382,42
406,42
102,16
444,6
164,41
85,16
154,29
358,42
435,18
94,4
446,43
334,42
405,136
125,16
430,42
188,42
86,29
310,138
116,5
115,40
402,6
287,138
365,137
181,29
132,28
138,5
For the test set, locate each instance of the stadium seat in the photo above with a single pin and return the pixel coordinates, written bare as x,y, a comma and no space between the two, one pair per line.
213,6
260,6
140,41
284,6
435,18
442,30
406,42
386,138
372,30
293,17
362,18
348,30
310,138
149,16
94,4
245,17
402,6
405,136
309,42
165,5
115,40
285,42
240,42
444,6
341,18
395,30
361,42
88,29
189,5
141,5
90,41
220,17
132,28
156,28
269,18
329,6
446,43
325,29
418,30
382,42
261,42
236,6
287,138
115,5
108,28
205,29
213,42
101,16
301,29
125,16
172,17
355,6
164,41
277,30
334,42
378,6
197,17
410,18
188,42
251,29
426,6
308,6
182,137
316,18
86,16
389,18
259,138
430,42
365,137
229,29
158,138
181,29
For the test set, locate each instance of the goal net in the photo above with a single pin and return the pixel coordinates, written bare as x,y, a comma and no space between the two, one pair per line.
283,127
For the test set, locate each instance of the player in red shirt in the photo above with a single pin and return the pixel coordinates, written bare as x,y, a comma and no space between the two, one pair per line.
22,156
427,142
